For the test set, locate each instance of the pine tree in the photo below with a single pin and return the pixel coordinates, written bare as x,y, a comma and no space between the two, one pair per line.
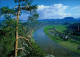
10,13
24,5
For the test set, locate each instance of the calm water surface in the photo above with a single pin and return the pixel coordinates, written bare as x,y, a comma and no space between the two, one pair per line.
51,47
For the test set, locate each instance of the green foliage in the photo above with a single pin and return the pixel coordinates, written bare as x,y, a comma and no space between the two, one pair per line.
26,5
37,50
7,33
7,38
6,10
74,29
60,28
33,18
24,2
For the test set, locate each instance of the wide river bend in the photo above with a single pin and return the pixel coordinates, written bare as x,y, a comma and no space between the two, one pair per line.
50,46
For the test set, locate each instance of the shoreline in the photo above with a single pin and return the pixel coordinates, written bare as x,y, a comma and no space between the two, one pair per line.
59,40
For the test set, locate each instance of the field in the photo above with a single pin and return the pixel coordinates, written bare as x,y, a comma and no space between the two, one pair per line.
60,28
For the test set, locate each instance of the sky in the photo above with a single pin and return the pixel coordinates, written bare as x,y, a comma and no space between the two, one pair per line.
51,9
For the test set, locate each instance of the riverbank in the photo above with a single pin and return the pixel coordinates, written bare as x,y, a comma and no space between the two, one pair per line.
67,44
39,52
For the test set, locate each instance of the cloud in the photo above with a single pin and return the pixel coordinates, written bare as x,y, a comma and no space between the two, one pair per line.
53,11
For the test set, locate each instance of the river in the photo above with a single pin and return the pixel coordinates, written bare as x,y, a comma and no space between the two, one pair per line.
50,46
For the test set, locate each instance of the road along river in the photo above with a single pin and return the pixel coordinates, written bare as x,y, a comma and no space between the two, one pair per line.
50,46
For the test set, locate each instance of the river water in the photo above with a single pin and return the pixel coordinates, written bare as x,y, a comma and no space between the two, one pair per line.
50,46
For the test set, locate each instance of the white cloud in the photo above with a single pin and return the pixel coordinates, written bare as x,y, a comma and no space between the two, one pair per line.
53,11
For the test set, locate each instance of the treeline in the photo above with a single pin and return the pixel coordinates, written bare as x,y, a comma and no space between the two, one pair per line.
74,28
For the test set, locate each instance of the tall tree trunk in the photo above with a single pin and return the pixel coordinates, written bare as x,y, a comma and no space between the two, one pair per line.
16,47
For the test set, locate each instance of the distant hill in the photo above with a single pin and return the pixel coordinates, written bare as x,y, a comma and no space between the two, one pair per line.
52,21
47,19
59,21
69,18
78,18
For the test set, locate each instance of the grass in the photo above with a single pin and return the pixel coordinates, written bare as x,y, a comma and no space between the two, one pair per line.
71,45
78,36
60,28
